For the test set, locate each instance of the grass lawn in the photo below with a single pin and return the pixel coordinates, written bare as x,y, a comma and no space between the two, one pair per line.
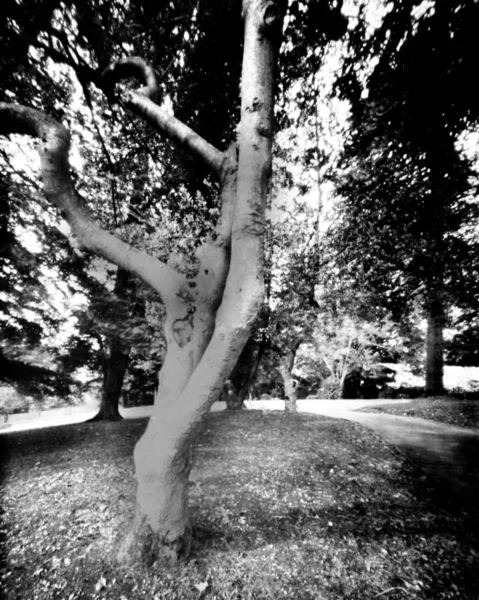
452,411
297,507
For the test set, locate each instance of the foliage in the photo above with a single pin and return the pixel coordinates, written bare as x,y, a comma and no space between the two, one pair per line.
307,520
347,348
406,187
462,349
32,302
125,189
291,273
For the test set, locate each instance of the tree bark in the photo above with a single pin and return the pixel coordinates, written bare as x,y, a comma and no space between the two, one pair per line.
116,363
208,316
251,377
232,397
205,348
238,386
435,349
290,384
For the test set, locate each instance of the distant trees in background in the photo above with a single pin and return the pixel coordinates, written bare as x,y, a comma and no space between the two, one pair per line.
402,237
408,188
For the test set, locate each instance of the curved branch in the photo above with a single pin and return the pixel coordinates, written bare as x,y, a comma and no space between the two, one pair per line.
144,103
53,148
133,66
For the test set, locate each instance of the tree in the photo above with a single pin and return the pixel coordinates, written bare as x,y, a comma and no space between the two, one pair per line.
210,303
29,311
294,265
404,182
115,360
243,375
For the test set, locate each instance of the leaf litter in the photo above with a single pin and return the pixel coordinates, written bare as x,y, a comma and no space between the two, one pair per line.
283,507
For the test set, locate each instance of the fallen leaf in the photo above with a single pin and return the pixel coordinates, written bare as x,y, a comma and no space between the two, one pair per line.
100,584
201,587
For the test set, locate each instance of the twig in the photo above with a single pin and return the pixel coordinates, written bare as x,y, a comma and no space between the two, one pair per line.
391,590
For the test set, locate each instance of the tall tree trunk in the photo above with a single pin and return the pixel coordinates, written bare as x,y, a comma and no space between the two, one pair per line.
434,282
233,398
208,316
290,384
203,345
251,377
116,363
435,349
243,375
115,371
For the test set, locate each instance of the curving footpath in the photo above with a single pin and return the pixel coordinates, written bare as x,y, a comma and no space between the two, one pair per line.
448,454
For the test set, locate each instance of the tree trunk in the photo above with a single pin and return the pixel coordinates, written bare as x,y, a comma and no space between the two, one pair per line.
251,377
117,364
233,398
434,281
161,529
117,360
435,350
208,316
204,342
237,387
290,384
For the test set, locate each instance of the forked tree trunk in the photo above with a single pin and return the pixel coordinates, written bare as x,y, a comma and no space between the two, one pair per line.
204,347
208,317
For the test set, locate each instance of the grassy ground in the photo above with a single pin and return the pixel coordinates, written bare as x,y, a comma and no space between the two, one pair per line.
452,411
300,507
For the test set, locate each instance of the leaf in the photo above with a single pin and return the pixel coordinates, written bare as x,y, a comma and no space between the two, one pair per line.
201,587
100,584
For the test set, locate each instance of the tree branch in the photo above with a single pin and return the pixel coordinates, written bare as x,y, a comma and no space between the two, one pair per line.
144,103
136,67
54,146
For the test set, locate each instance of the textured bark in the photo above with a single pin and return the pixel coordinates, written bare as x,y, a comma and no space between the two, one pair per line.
238,386
435,350
209,350
290,384
117,364
209,316
161,531
233,398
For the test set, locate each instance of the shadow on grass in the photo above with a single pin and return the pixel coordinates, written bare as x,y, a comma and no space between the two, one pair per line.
50,445
412,546
275,497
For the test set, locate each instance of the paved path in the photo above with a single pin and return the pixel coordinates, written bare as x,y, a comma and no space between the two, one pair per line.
449,454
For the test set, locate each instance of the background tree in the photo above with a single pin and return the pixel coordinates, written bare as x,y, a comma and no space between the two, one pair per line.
405,184
294,268
36,286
